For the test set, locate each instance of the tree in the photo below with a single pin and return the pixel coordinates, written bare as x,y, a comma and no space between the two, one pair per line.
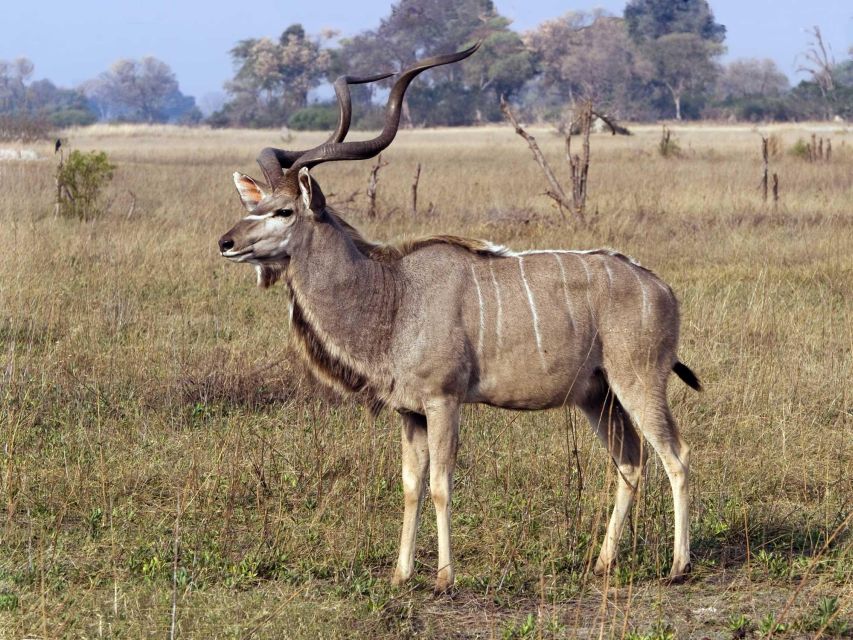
143,90
589,56
40,100
751,77
683,62
13,78
819,64
62,107
447,95
681,39
500,68
273,78
843,72
651,19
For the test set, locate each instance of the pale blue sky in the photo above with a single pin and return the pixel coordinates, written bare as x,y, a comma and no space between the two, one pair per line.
73,40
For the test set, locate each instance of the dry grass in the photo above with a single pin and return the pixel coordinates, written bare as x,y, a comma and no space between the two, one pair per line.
149,401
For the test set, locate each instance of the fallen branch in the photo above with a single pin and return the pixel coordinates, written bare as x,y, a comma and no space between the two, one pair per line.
615,127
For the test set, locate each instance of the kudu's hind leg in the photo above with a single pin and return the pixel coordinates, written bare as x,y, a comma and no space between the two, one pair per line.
647,405
613,427
443,439
415,465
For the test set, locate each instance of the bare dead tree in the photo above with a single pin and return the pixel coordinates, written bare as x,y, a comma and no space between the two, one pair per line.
57,203
816,151
766,157
415,181
371,186
819,63
579,165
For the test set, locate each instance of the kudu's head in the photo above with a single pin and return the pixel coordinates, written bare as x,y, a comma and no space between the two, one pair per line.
283,210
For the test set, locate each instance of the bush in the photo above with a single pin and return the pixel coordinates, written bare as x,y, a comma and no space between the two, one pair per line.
72,118
24,128
314,118
82,179
800,149
668,147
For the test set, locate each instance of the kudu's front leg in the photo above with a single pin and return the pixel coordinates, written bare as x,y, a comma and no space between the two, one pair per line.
443,439
415,464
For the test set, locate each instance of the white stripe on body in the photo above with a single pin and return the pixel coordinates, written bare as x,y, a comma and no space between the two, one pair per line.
481,333
499,321
532,311
609,274
588,281
569,307
645,297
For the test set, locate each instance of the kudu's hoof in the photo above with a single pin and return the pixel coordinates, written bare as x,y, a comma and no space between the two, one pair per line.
443,586
601,567
679,576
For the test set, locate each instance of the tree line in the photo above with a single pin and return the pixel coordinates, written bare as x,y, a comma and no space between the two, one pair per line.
659,60
143,90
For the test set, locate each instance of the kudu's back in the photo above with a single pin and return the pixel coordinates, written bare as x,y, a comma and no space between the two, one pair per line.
531,330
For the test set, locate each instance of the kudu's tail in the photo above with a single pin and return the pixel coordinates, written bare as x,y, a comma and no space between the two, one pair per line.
687,376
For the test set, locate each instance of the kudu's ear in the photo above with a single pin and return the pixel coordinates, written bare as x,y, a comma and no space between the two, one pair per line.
312,197
305,187
250,191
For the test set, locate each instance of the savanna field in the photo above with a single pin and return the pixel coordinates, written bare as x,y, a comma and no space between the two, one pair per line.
170,468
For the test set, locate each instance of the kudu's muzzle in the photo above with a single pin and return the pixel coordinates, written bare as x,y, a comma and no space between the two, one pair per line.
226,243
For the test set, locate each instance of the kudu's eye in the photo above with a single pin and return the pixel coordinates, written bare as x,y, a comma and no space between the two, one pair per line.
284,213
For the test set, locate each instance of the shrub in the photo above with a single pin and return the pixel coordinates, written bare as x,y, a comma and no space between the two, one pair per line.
668,146
314,118
72,117
800,149
24,128
82,178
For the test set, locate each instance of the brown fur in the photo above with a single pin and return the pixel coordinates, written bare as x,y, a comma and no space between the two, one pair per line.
393,252
327,368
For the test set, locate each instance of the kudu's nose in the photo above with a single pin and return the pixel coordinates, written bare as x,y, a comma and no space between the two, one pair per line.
225,243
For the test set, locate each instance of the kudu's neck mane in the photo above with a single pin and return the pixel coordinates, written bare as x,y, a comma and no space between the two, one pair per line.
393,252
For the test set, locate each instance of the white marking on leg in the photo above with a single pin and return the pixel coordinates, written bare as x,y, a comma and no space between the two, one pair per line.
482,329
569,307
500,305
532,311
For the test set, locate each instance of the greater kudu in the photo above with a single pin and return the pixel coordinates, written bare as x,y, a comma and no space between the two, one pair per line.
429,325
